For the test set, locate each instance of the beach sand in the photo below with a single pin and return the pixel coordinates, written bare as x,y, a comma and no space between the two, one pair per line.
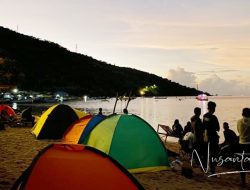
18,148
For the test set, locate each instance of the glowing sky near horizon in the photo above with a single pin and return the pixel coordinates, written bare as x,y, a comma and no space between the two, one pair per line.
205,42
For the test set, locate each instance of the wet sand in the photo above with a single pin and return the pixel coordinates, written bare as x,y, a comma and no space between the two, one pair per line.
18,148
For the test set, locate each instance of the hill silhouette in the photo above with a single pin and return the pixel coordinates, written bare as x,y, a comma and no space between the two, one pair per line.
34,64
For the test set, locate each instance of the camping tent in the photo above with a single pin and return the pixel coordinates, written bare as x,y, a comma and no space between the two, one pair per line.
8,109
54,122
79,113
74,132
62,166
131,141
81,128
90,126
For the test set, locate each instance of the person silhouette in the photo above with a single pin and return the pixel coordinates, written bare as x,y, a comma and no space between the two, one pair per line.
212,126
229,135
243,127
187,128
177,129
125,111
230,144
27,115
100,111
198,131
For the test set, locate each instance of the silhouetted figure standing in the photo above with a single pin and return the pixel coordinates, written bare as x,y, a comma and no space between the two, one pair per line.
243,127
211,125
100,111
125,111
198,131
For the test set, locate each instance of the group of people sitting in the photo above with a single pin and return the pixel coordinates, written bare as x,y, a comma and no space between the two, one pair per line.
191,137
6,118
201,134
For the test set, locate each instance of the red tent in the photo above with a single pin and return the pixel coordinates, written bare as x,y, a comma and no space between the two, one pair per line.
8,109
76,167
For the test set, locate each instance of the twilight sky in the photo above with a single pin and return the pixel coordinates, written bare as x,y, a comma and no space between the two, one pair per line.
205,42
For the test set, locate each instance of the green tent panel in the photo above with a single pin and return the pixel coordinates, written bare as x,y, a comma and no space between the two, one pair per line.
131,141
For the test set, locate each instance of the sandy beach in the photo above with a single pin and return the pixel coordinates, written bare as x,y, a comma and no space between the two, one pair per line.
18,148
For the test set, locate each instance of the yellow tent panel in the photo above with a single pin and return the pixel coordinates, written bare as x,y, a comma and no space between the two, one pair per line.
55,121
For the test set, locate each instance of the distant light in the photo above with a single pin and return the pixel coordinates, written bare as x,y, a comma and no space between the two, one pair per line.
85,98
14,106
7,96
15,90
142,92
61,99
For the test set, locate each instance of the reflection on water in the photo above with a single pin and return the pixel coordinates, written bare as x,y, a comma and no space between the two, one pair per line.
165,111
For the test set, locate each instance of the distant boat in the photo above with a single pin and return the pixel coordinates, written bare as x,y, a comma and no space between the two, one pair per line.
202,97
105,100
160,97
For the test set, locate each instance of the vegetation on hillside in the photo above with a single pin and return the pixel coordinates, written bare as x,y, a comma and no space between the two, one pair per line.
33,64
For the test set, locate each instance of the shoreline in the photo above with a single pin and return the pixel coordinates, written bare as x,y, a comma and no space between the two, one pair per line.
18,147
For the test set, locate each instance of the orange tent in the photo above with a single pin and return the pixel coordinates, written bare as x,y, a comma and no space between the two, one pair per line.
68,166
80,129
73,133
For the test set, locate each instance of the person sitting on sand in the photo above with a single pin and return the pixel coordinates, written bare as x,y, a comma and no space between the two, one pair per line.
177,129
187,142
187,128
229,135
27,115
230,144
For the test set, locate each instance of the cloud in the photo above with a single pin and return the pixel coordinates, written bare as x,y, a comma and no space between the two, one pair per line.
183,77
213,84
216,85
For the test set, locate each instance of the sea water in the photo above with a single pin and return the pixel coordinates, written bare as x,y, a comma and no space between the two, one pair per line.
165,110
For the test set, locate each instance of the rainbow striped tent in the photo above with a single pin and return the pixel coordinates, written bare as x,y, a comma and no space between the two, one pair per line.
74,132
131,141
77,132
